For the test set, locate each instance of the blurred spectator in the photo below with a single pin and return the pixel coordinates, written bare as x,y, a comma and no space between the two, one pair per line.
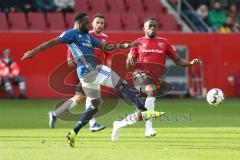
2,5
217,16
196,3
64,5
10,75
224,3
202,12
1,72
233,12
26,5
10,6
45,6
227,27
236,2
236,27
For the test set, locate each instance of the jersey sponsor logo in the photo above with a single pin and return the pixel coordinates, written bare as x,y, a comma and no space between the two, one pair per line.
152,50
161,44
87,44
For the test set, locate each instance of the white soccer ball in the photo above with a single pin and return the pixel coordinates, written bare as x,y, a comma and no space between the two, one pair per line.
215,97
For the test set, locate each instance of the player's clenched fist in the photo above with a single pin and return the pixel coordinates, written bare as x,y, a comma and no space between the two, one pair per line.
131,62
195,61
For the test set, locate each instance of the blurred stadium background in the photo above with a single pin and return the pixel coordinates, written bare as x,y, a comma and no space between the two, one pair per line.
25,24
193,26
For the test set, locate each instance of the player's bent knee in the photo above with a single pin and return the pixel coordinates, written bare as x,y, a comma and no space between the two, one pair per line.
78,98
150,90
121,84
96,102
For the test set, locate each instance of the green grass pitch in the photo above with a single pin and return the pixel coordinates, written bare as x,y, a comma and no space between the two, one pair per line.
191,130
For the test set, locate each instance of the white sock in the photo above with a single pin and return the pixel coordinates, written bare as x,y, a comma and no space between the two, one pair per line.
129,120
92,122
88,104
150,105
148,125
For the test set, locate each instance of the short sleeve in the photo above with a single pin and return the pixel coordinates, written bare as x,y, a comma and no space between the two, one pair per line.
67,36
95,42
171,51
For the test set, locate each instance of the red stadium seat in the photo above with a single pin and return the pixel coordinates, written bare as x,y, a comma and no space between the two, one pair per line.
112,22
56,21
116,6
3,20
134,6
153,6
37,21
82,6
130,22
91,15
69,19
98,6
168,22
18,21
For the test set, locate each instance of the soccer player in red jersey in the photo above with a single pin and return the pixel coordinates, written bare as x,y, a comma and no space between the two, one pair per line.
102,57
153,49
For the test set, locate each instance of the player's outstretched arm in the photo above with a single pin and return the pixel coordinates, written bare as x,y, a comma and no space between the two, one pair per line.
184,63
113,46
41,47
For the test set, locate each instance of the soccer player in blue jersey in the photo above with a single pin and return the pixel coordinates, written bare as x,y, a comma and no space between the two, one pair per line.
98,24
91,75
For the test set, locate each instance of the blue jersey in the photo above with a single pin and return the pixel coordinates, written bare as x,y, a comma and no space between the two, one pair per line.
81,46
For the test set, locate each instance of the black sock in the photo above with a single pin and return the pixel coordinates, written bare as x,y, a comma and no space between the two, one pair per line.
129,96
86,116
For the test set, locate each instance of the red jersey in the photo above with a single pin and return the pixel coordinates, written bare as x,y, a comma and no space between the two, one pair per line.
10,69
2,67
153,50
101,55
103,38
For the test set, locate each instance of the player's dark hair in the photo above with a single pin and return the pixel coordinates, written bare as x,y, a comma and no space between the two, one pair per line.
150,19
79,16
99,15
